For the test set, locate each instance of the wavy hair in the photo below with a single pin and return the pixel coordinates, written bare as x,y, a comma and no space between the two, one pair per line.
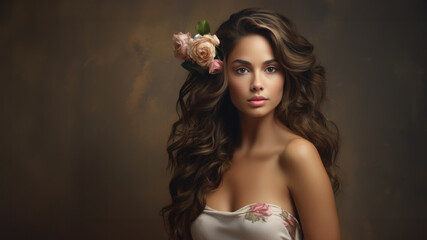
204,137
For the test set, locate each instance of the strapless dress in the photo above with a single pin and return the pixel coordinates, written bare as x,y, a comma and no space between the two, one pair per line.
256,221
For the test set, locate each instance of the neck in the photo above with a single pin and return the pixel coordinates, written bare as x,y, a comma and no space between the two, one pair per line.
256,132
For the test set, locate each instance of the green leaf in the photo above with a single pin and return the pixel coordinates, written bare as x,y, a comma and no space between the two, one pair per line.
190,66
251,217
202,27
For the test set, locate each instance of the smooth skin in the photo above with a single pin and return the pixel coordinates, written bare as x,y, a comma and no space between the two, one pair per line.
272,164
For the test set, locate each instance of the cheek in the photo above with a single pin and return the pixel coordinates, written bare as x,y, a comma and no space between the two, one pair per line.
236,91
277,87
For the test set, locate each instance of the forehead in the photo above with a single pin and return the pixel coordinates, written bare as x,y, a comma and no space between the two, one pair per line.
253,48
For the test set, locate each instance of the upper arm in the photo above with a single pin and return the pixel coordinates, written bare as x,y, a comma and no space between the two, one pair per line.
311,190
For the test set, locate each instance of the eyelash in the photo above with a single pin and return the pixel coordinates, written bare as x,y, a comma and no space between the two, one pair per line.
237,69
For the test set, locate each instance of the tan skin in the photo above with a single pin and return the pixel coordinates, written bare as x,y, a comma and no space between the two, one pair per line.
272,164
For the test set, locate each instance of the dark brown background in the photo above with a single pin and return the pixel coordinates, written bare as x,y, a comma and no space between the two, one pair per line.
88,90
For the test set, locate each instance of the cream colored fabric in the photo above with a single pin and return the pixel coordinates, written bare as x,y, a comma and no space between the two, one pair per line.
256,221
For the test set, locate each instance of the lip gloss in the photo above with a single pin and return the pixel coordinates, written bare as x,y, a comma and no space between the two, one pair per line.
257,103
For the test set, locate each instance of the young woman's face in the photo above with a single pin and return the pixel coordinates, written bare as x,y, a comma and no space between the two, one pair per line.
255,78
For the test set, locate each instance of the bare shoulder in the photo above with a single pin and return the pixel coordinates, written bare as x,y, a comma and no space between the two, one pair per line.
309,185
300,153
300,146
304,167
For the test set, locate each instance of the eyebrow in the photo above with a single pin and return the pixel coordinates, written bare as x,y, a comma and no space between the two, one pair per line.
248,63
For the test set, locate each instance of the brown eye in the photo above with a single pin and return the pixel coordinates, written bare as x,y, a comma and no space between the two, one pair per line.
241,70
271,69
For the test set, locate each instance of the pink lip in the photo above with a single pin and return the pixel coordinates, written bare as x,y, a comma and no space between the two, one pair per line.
257,98
257,101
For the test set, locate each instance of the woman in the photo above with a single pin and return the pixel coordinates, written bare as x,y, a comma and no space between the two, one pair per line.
252,155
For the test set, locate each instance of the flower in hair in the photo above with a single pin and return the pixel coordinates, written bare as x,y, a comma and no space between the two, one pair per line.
181,45
215,66
200,53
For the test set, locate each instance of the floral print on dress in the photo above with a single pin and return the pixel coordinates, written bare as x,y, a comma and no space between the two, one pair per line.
258,212
261,211
289,223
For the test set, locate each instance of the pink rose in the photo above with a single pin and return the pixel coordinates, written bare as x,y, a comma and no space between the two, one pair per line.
215,66
288,220
291,221
202,49
181,45
261,209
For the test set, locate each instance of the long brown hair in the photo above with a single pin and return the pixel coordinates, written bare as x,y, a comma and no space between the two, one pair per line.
204,137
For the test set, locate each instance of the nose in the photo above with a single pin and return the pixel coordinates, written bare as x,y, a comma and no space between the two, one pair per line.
256,84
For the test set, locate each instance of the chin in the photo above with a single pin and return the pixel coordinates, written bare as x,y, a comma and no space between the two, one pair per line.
257,113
